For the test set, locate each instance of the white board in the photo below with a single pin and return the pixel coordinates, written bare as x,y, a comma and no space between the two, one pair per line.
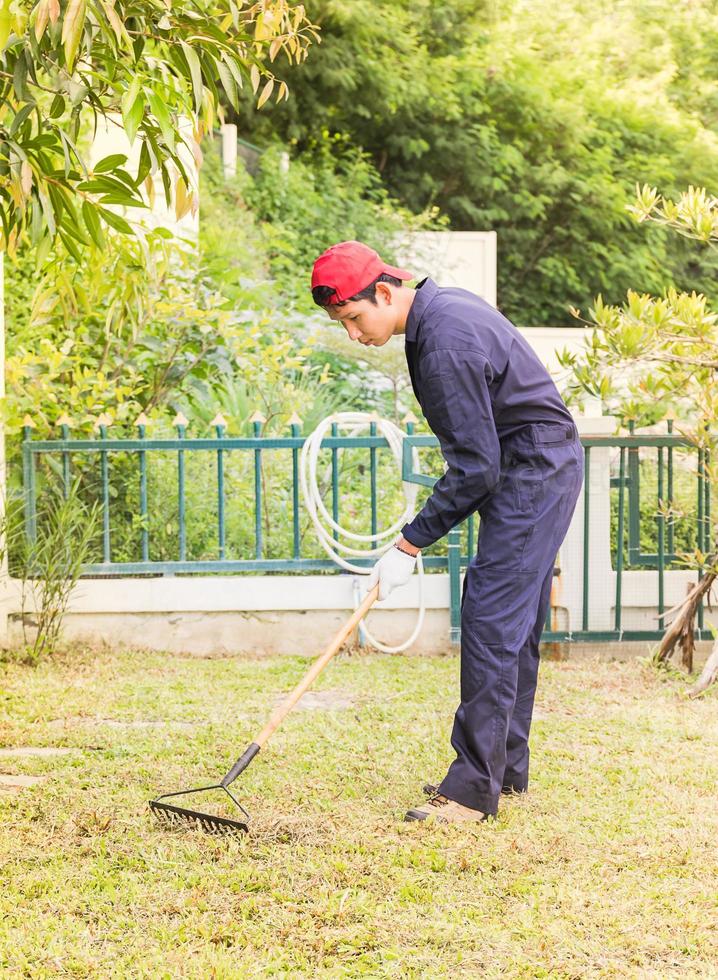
453,258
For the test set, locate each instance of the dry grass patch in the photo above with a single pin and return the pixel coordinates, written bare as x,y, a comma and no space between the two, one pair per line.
607,868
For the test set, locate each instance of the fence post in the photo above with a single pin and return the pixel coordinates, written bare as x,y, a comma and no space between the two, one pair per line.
28,461
102,422
296,424
591,574
141,422
65,422
229,149
257,420
454,569
220,425
181,423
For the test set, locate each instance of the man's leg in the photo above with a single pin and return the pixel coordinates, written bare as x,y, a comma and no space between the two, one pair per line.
519,537
499,611
516,774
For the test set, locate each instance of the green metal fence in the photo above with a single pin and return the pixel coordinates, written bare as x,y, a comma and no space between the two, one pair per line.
635,489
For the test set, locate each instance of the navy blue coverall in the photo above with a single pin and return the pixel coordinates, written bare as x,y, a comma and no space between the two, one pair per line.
513,454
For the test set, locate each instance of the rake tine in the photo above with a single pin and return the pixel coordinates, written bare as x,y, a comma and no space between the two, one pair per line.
209,822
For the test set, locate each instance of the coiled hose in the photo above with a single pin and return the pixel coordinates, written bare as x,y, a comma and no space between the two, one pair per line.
324,523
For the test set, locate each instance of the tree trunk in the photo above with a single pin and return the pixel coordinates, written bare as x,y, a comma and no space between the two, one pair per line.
709,673
681,629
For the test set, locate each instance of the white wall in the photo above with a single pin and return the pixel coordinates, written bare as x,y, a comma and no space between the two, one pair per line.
548,341
111,138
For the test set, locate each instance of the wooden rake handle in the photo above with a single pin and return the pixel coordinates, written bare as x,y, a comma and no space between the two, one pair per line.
317,667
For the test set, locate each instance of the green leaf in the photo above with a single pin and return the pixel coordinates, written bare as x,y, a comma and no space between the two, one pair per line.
166,183
110,162
72,224
70,246
103,184
115,221
162,115
48,212
72,27
133,118
37,225
57,106
195,72
145,164
133,90
66,153
58,204
229,84
233,66
19,79
179,163
77,91
122,177
20,118
92,223
123,199
106,184
43,250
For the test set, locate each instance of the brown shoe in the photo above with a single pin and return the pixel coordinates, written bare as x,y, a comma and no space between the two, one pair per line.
443,810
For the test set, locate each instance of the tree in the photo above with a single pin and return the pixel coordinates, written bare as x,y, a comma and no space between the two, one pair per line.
658,355
64,64
526,118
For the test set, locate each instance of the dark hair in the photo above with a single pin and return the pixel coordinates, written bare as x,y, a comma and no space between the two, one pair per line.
321,294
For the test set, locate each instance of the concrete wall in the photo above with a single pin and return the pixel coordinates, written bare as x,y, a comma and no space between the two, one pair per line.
257,614
298,614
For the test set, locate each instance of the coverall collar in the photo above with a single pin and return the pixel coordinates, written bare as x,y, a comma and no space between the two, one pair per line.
426,290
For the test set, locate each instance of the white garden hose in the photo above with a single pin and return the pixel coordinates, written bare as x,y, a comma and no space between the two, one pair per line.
323,522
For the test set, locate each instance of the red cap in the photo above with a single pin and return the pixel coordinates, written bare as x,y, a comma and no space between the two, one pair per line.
349,267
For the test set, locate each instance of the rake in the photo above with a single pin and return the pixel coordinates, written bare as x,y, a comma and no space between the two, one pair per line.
174,814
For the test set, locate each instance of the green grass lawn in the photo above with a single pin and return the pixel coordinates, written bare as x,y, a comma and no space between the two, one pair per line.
608,867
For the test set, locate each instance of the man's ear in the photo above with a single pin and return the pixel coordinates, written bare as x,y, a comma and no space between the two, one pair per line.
384,290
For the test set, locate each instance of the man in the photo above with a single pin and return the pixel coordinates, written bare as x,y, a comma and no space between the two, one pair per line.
513,454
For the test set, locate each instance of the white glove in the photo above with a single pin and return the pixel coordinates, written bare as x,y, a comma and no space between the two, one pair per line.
393,569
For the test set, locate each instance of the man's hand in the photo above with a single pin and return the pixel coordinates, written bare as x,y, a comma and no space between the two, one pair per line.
393,569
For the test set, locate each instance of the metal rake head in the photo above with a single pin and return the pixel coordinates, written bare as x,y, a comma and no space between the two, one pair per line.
178,816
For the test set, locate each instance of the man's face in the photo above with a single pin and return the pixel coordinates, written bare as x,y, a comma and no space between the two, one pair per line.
369,324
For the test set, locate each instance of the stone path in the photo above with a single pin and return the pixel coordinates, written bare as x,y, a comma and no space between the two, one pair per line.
18,782
75,720
326,700
14,783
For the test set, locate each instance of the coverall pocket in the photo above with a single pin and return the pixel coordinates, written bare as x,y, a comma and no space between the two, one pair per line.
523,478
497,605
552,433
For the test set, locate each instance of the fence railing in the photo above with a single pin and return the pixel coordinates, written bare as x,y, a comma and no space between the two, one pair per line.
658,500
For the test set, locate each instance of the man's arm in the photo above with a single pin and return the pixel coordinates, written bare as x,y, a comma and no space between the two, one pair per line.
455,392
